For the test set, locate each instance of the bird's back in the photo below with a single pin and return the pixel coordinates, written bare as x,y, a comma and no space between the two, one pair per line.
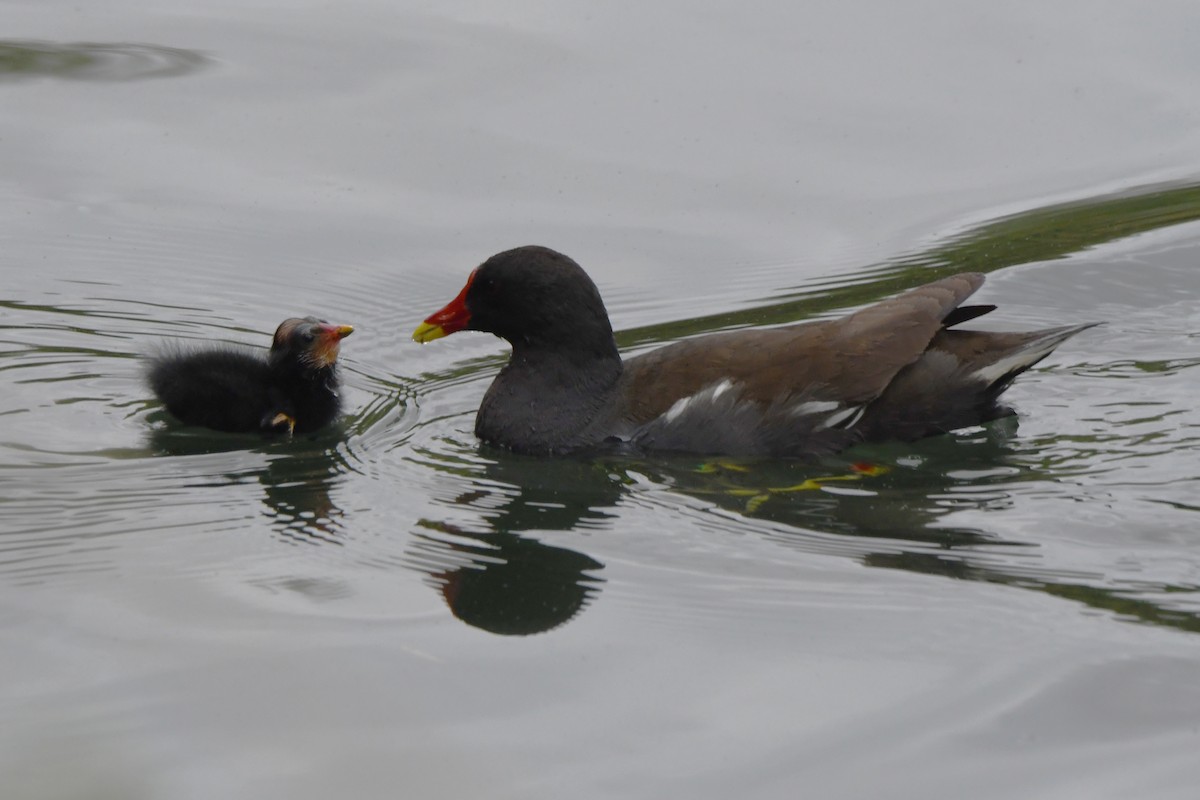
227,389
893,370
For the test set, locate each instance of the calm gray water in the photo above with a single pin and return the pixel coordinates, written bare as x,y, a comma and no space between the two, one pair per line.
388,609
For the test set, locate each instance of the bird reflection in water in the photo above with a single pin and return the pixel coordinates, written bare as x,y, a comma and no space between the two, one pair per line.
298,480
502,581
505,583
894,491
297,491
894,507
495,576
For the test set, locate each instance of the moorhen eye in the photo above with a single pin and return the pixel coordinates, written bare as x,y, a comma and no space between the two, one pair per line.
899,369
238,389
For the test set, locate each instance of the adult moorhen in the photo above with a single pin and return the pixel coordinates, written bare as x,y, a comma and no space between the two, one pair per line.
894,370
293,389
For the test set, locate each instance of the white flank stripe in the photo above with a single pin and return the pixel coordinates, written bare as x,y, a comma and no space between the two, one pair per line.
851,413
813,407
708,394
678,408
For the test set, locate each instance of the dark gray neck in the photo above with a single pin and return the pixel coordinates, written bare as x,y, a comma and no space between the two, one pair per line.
548,401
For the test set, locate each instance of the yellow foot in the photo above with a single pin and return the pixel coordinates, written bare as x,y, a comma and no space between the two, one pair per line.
758,496
282,418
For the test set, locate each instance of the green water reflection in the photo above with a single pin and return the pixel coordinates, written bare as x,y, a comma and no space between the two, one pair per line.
95,61
1041,234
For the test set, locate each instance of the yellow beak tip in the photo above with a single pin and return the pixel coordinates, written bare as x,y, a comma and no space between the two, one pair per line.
427,333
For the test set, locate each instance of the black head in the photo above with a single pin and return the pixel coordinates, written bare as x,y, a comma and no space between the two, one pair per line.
530,296
309,343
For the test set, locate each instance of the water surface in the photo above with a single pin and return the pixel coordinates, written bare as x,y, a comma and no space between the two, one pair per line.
389,606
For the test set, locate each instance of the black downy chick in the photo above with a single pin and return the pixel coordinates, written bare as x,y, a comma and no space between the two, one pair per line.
228,388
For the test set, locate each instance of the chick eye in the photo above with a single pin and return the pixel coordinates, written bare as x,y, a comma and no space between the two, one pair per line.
307,338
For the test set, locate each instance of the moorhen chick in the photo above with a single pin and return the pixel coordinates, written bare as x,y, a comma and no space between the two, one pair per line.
293,389
893,370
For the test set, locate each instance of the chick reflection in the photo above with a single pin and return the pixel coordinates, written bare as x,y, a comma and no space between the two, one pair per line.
505,583
297,481
297,492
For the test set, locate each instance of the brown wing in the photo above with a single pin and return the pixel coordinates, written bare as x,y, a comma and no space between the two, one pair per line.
848,361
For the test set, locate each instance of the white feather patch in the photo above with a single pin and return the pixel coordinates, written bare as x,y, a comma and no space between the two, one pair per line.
678,408
998,369
721,388
813,407
706,395
845,419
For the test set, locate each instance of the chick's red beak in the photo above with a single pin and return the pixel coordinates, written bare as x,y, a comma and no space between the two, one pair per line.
454,317
336,332
325,348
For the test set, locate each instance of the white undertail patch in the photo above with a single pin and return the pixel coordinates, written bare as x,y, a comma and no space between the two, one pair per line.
1016,361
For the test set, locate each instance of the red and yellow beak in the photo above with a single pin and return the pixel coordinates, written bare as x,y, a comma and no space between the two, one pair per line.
337,332
325,348
451,319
